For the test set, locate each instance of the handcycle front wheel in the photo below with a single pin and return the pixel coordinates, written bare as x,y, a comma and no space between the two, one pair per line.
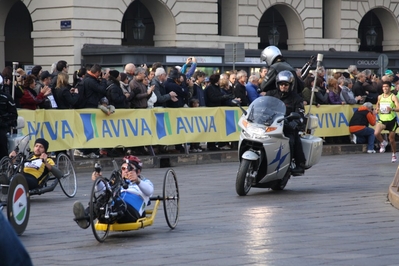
171,198
18,203
68,180
98,201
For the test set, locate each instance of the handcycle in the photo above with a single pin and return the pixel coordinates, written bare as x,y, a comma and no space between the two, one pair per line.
14,188
104,192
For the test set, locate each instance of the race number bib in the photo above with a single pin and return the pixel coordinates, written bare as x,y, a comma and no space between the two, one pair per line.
384,108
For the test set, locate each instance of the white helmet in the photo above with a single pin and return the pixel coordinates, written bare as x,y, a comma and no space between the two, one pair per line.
269,54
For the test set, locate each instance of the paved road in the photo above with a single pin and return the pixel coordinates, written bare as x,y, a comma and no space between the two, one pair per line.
335,215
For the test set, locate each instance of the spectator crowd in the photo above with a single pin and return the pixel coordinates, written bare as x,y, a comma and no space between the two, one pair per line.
181,86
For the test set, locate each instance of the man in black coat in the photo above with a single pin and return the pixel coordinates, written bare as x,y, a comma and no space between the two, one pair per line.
174,83
276,63
94,87
115,94
160,91
213,98
213,94
358,88
8,118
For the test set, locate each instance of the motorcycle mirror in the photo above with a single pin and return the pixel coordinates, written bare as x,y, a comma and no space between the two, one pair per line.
237,103
294,115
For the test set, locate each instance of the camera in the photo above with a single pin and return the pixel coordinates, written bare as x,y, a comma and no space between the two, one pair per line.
97,167
129,167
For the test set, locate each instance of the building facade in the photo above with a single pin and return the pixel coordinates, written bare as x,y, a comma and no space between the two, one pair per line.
117,32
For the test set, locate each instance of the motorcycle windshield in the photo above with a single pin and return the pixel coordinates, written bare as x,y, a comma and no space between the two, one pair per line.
265,109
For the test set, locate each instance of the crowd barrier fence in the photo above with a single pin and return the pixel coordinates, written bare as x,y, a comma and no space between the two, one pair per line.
91,128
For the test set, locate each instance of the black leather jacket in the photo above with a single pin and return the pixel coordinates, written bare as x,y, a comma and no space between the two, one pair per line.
269,82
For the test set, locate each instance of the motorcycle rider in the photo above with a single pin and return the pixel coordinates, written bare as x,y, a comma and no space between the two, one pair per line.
276,63
294,103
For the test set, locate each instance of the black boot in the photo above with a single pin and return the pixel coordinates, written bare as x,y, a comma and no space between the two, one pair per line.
298,170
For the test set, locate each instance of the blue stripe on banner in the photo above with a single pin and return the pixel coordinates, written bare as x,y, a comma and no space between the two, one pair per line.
87,126
230,122
160,127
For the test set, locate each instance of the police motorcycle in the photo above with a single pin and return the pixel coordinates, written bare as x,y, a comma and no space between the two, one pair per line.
264,151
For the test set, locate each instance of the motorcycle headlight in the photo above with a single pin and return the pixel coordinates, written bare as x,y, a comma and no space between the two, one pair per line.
255,132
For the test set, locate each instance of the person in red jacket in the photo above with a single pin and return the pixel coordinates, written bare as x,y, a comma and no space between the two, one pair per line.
30,99
359,126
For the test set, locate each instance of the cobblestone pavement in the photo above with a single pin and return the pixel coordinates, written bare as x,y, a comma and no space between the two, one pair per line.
337,214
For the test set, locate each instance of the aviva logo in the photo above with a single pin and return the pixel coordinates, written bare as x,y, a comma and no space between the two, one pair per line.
89,126
163,125
231,117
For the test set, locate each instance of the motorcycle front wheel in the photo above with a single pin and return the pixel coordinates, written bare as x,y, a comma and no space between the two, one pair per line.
244,179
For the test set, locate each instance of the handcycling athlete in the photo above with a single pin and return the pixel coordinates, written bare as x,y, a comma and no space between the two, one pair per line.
39,165
132,200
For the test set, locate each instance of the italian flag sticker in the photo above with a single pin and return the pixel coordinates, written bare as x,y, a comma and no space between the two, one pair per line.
19,204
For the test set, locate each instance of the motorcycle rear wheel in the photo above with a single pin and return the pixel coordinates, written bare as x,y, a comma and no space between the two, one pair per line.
280,185
244,180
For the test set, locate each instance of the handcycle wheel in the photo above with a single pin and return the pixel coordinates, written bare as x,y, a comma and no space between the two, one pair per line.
98,202
18,203
6,166
68,180
171,198
6,172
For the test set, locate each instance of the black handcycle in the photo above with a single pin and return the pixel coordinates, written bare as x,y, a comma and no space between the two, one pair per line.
14,188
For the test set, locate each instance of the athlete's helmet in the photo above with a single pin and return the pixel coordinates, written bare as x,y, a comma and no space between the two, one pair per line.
133,160
269,54
285,76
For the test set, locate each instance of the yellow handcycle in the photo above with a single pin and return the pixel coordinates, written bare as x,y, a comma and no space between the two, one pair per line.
103,219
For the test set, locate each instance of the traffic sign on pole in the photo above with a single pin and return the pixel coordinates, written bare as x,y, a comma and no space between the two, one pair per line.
234,52
382,63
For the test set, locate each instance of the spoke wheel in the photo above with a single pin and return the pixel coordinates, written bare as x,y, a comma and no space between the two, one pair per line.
18,205
171,198
6,166
244,181
68,182
6,172
98,204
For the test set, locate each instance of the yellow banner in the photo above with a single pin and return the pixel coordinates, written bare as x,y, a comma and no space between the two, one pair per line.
333,119
91,128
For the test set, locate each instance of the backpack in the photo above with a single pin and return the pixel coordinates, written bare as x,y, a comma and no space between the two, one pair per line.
81,102
108,94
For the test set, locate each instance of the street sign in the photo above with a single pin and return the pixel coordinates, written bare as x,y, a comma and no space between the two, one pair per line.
234,52
383,60
382,63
